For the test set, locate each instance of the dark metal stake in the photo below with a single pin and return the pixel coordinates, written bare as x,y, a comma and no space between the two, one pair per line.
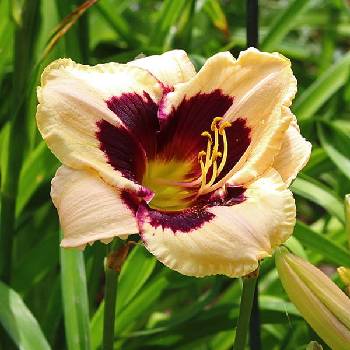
252,21
252,27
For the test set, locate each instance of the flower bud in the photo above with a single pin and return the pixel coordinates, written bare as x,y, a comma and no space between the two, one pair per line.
313,345
323,305
344,274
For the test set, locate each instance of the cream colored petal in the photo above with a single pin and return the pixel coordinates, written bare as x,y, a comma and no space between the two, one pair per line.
294,154
233,240
89,209
72,100
170,68
262,86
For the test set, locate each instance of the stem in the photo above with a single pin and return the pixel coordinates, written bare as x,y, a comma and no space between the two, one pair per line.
254,325
252,21
110,302
245,311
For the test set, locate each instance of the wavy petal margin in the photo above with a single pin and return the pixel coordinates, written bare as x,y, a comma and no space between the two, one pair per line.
89,209
232,239
171,68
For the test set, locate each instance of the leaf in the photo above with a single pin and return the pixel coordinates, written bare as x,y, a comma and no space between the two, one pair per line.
38,168
329,250
135,272
337,145
319,194
116,21
139,305
168,16
36,264
19,322
284,22
217,15
75,300
12,162
322,89
66,24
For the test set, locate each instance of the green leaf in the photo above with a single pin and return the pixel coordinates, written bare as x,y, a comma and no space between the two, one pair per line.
168,16
142,302
135,272
37,169
75,300
329,250
285,21
25,35
322,89
216,14
36,264
319,194
115,19
19,322
337,145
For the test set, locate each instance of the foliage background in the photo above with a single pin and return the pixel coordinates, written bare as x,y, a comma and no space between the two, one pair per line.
51,298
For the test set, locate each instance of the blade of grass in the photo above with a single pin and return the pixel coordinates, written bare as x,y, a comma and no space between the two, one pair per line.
35,264
216,13
134,274
65,26
19,322
116,21
340,156
39,167
23,62
167,17
322,89
285,21
321,244
319,194
75,299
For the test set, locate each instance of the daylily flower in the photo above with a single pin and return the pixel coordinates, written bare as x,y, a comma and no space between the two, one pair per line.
197,163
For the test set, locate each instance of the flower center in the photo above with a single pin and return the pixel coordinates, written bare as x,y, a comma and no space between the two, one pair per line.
168,180
174,182
208,159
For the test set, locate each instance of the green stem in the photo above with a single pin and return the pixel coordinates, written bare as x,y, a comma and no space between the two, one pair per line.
244,312
110,303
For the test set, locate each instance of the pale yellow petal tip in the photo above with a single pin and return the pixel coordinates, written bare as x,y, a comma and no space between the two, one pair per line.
254,52
55,65
260,57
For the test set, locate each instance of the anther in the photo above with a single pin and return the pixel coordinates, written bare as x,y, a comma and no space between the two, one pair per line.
213,126
223,126
201,154
206,134
216,155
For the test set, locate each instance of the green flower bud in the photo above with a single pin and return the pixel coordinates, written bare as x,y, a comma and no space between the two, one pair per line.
323,305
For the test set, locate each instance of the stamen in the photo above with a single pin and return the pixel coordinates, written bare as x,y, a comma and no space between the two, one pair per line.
212,154
210,141
201,154
213,126
224,140
206,133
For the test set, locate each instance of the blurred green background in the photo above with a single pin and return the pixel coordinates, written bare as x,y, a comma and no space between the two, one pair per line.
51,298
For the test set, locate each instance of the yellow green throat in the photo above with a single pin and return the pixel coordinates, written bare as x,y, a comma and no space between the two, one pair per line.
164,177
